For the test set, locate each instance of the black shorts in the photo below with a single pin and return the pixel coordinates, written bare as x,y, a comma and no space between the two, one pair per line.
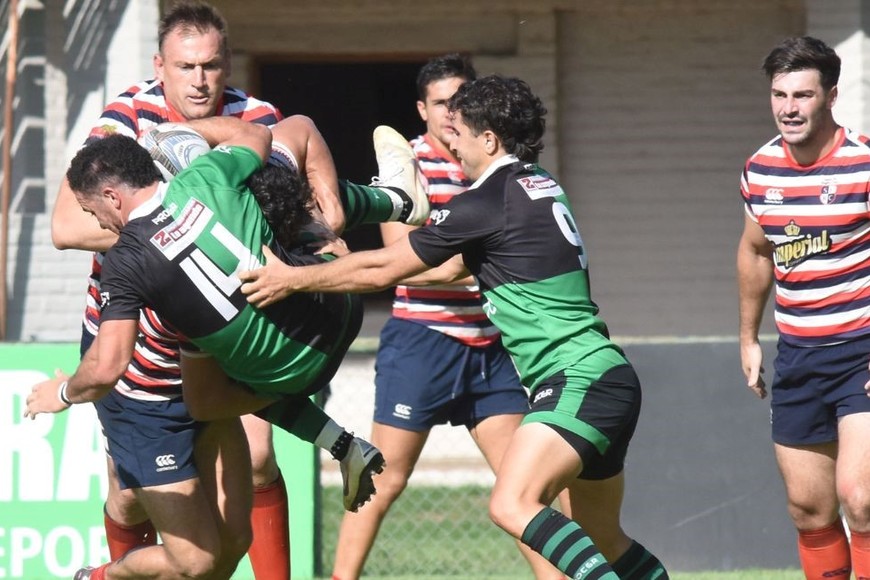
597,419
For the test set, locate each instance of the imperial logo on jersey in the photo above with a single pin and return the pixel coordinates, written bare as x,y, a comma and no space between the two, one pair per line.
180,233
790,254
816,219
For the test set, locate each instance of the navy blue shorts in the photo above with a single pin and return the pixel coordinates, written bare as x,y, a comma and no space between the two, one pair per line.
424,378
151,442
813,387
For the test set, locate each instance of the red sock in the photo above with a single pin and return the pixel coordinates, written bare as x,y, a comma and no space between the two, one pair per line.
861,554
824,553
99,573
270,550
122,539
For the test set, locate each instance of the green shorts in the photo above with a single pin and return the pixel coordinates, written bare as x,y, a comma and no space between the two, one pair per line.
596,418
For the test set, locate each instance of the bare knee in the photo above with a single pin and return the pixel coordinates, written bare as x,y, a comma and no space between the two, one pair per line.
195,564
508,513
390,484
855,500
123,507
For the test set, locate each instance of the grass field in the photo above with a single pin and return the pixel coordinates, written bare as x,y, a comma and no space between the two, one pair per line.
434,533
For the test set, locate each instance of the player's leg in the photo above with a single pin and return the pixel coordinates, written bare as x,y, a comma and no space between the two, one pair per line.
223,461
401,450
492,436
396,194
804,431
127,525
596,505
537,465
853,486
810,484
270,549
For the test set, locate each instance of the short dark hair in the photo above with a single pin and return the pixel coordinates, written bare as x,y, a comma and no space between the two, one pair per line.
189,15
115,159
508,108
285,199
804,53
448,66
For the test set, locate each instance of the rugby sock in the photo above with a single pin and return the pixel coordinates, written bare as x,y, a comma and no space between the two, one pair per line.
824,553
564,543
270,549
302,418
639,564
121,539
298,416
98,573
364,204
860,554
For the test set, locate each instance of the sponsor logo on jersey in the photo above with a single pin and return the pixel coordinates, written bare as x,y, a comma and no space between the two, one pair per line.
104,299
538,186
165,214
165,462
439,215
793,252
773,195
183,230
224,149
402,411
489,308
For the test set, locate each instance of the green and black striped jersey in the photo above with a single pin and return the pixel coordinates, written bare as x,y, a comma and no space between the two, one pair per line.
517,235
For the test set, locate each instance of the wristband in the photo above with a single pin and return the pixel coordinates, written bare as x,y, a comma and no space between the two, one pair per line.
61,394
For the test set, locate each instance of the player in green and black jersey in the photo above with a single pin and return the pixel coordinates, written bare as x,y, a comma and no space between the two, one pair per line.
514,231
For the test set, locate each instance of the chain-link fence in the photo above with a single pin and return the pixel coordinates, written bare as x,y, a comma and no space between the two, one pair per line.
440,523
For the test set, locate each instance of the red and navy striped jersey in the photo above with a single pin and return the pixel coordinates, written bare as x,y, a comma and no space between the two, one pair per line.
816,217
453,309
154,372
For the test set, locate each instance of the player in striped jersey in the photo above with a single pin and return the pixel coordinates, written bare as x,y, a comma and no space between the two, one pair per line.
807,233
191,69
515,232
439,358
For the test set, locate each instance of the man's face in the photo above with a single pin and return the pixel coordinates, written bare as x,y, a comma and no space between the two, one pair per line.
801,107
468,148
102,207
433,110
193,70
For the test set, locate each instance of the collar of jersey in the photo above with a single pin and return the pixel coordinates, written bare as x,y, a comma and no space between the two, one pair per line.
494,166
151,203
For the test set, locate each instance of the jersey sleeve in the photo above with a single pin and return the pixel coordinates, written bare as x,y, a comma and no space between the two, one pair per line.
230,166
458,228
744,193
122,282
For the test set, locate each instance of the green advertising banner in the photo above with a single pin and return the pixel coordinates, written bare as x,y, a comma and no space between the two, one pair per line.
53,478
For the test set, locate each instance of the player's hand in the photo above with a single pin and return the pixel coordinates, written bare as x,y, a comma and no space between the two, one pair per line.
44,397
751,359
337,247
267,284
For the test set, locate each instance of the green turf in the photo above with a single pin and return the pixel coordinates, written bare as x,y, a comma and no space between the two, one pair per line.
434,533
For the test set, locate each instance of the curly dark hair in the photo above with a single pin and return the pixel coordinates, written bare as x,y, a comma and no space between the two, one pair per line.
286,200
804,53
114,159
507,107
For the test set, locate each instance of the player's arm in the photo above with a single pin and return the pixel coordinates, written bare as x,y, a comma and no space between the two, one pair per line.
101,368
754,281
300,135
368,271
74,229
231,131
453,271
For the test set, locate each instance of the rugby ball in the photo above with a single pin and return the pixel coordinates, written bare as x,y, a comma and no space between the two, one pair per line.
173,147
